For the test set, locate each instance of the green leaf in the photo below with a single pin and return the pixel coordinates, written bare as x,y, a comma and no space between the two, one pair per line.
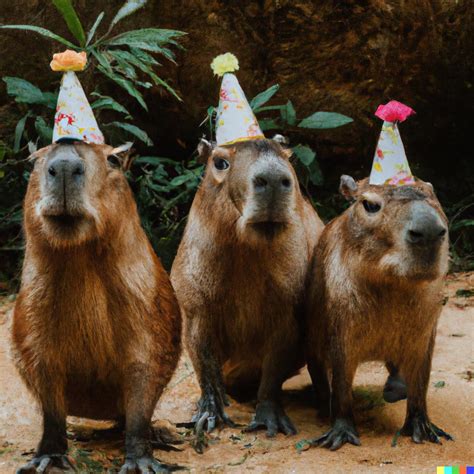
127,85
144,57
133,130
305,154
303,445
462,223
41,31
25,92
123,65
268,124
181,179
106,102
44,131
161,36
324,120
290,113
19,129
439,384
315,173
264,97
66,9
93,30
129,7
103,59
155,160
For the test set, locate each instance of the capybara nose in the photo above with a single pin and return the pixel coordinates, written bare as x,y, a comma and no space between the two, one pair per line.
426,229
69,170
271,181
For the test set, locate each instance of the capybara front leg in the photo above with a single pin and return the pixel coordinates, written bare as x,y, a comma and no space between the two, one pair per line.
417,424
141,392
395,387
322,390
280,358
343,427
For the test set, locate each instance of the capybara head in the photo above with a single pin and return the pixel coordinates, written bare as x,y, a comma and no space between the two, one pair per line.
74,192
256,178
402,230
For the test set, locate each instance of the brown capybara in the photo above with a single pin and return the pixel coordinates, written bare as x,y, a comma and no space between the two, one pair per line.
239,277
376,294
96,326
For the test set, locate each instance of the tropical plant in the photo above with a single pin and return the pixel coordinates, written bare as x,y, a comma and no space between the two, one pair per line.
127,59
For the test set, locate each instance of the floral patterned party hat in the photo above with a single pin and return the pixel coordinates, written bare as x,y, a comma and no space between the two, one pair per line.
74,118
390,164
235,121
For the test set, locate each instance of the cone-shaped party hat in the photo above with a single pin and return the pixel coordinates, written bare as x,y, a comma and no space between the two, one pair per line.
74,118
390,164
235,120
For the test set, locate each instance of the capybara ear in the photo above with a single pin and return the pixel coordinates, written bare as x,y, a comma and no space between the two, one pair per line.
120,155
281,139
348,187
204,149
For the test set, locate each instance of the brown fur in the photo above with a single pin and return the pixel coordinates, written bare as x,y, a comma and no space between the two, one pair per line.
370,300
96,327
239,289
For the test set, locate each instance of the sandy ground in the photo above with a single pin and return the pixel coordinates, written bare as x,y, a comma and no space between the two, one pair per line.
450,401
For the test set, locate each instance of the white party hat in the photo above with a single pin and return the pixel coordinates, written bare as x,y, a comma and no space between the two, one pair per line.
390,164
74,118
235,120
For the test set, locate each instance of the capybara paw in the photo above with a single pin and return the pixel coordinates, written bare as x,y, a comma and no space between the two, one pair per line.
342,432
420,428
47,463
146,464
210,413
395,389
270,415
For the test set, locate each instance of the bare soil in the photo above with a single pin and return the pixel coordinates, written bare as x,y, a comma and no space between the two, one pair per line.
450,401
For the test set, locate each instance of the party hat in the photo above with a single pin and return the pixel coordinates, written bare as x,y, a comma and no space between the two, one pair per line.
390,164
235,121
74,118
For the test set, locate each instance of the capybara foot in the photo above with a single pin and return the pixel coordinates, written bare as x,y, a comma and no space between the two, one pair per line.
211,412
47,463
420,428
270,415
163,438
146,465
342,432
395,389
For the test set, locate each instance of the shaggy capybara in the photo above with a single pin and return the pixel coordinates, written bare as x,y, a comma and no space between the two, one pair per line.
239,276
376,294
96,326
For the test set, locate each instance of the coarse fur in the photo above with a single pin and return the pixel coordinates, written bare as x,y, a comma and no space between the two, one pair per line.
96,327
239,276
375,296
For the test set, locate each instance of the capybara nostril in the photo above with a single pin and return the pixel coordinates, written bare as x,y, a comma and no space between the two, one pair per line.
259,182
52,171
286,183
442,232
78,170
415,236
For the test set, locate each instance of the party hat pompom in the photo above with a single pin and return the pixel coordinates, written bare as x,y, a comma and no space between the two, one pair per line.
394,111
69,61
224,63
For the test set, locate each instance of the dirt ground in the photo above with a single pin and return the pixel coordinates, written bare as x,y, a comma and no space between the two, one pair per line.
450,401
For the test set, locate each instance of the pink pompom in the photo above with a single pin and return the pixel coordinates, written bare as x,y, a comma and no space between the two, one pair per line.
394,111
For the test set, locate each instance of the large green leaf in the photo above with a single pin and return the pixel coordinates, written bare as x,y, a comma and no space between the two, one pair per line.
66,9
304,153
133,130
324,120
25,92
42,31
126,84
106,102
290,113
123,65
44,131
160,36
264,97
93,30
268,124
19,129
129,7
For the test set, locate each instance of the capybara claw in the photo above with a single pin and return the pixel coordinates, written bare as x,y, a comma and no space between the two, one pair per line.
421,429
146,465
270,415
341,433
395,389
47,463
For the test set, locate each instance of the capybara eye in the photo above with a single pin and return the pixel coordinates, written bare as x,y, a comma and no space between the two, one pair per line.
371,207
114,161
221,164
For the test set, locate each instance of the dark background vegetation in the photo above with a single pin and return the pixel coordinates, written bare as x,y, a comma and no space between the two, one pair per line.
341,56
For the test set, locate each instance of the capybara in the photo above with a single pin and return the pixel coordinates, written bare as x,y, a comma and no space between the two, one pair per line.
376,294
96,326
239,276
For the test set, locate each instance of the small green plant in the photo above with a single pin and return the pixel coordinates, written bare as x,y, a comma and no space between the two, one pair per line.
283,118
127,59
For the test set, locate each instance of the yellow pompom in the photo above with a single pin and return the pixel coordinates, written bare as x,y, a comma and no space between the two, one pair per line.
224,63
69,61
